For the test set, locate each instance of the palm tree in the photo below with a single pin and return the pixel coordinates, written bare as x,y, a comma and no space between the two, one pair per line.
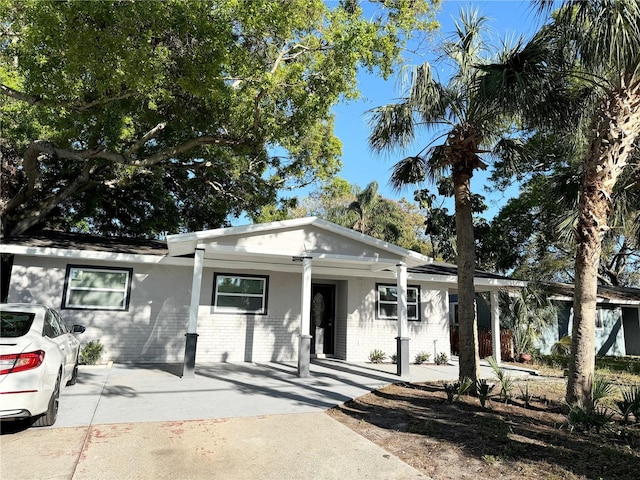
589,55
467,130
527,313
363,206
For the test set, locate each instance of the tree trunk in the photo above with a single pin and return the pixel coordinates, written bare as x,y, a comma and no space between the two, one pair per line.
466,259
613,133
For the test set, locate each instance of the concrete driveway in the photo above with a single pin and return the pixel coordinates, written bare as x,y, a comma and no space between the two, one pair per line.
151,393
232,421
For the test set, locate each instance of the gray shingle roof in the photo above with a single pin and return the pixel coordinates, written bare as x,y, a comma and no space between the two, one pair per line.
81,241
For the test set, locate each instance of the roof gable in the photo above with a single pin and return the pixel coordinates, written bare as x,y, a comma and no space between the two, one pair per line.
299,237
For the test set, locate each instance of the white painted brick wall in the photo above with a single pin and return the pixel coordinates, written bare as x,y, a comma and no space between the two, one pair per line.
366,333
153,329
246,338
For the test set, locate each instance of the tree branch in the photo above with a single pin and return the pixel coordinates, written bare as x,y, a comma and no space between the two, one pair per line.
13,93
83,107
145,138
43,208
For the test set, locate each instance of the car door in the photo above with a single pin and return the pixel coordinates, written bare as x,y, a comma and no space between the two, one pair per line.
72,343
56,331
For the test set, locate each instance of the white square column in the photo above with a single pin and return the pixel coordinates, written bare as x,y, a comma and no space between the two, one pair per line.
188,369
402,340
304,343
495,326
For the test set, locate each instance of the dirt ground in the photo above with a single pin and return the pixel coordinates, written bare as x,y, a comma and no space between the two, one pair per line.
462,440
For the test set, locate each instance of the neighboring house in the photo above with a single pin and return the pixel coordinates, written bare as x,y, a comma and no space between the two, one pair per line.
279,291
617,319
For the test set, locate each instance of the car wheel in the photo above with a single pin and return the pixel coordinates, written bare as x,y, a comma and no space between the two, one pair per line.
74,374
49,417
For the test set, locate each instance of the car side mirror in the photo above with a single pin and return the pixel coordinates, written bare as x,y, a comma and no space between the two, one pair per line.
78,329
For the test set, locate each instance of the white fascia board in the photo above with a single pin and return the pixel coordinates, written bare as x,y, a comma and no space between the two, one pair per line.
599,300
493,283
81,255
332,271
499,283
212,252
616,301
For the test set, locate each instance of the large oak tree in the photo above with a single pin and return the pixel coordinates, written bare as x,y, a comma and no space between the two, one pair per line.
140,118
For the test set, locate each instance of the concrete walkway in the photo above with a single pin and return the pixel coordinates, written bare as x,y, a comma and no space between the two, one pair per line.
232,421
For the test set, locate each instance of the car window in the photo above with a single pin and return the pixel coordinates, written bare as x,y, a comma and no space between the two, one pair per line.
63,326
51,325
15,324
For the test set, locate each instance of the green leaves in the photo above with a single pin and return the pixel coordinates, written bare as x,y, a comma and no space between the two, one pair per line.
164,86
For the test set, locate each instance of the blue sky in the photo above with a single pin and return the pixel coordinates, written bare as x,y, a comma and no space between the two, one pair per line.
360,165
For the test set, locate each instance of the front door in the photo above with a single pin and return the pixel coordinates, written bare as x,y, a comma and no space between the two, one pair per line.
322,318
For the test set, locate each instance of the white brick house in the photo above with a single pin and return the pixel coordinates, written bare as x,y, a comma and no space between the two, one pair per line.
280,291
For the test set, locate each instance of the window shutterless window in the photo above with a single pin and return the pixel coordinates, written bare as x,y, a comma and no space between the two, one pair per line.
97,288
240,294
387,302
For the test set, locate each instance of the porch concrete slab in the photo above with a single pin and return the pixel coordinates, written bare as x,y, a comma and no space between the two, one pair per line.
155,393
435,373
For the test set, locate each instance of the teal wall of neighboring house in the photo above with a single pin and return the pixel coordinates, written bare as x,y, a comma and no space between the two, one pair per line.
610,332
617,328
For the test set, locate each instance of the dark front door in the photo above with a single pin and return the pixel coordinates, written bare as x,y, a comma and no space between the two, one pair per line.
323,310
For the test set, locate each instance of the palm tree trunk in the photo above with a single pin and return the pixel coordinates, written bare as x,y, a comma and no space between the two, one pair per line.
615,129
466,259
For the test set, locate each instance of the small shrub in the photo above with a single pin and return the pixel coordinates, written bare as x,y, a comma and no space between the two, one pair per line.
441,359
377,356
601,388
586,418
506,382
630,403
484,390
455,390
450,389
394,358
463,386
422,357
90,354
525,395
562,348
585,413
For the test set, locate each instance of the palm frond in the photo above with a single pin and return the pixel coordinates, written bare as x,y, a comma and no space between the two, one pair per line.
392,126
606,32
409,171
425,94
522,82
512,153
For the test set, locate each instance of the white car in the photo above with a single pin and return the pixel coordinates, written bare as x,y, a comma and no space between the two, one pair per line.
38,356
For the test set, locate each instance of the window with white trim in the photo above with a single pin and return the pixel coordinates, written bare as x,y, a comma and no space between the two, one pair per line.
387,302
97,288
240,294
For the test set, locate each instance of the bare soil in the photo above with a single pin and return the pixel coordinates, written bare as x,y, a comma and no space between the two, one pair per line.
462,440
